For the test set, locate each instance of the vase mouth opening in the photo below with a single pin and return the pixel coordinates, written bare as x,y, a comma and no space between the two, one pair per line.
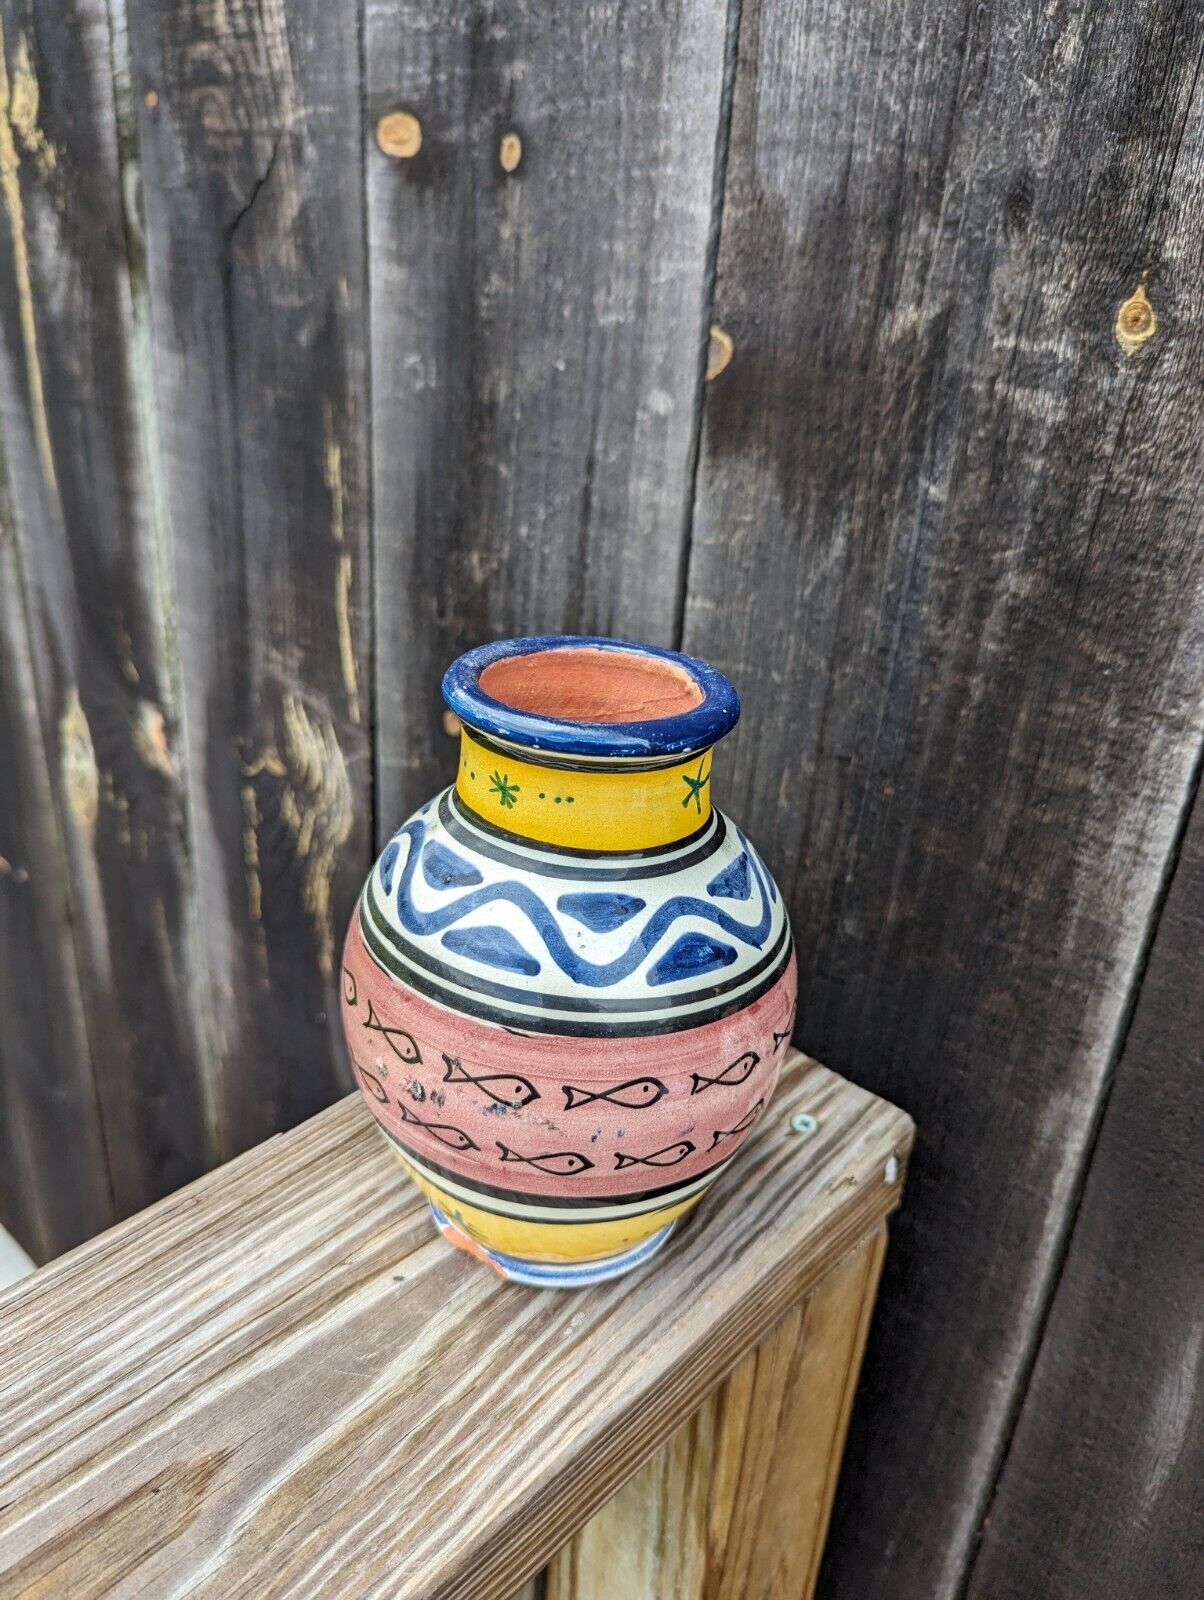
588,696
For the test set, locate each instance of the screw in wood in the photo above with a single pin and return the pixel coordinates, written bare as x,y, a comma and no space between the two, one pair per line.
399,134
803,1122
510,151
720,351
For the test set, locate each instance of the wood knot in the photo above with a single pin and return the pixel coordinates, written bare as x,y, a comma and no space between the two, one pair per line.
1135,321
399,134
510,151
720,351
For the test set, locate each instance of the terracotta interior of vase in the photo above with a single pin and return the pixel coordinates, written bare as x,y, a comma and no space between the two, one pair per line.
587,685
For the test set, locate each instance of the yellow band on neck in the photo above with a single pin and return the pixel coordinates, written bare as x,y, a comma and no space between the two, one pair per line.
582,809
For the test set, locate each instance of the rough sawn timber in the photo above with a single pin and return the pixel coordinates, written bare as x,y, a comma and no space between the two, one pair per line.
969,734
537,334
1101,1493
114,855
248,129
736,1505
281,1382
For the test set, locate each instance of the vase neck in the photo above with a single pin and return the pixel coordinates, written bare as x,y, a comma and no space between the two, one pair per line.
613,807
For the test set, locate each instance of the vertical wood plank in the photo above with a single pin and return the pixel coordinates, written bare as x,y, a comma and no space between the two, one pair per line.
249,130
736,1505
54,1188
98,623
946,543
536,332
1100,1493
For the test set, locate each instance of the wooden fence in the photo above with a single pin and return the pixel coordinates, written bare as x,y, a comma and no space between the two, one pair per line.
295,406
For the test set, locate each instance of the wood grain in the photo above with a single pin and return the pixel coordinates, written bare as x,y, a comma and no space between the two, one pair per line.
281,1381
537,334
1101,1491
969,731
249,132
53,1173
97,621
736,1505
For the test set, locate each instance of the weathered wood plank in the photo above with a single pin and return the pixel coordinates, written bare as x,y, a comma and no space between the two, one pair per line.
281,1381
1101,1491
947,543
536,332
249,130
54,1187
98,618
736,1505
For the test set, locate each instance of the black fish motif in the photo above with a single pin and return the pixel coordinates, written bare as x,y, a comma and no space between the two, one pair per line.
734,1074
503,1088
559,1163
409,1052
454,1138
779,1039
742,1126
668,1157
374,1086
350,992
634,1095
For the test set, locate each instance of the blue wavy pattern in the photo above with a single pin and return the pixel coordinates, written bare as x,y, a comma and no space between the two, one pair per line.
590,974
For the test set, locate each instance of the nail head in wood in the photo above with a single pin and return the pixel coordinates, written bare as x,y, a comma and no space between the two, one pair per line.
510,151
399,134
1135,321
720,351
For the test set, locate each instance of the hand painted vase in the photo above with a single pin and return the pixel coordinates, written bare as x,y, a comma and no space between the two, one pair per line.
569,982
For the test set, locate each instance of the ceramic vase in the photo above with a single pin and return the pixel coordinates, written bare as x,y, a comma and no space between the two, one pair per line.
569,982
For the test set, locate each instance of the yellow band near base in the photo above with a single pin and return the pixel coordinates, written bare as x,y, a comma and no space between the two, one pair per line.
611,809
547,1241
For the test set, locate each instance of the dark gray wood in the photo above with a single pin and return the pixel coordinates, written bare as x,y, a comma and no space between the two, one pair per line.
536,334
947,544
250,140
1102,1493
54,1189
97,623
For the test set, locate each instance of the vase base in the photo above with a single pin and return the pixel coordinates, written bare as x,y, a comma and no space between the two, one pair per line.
553,1274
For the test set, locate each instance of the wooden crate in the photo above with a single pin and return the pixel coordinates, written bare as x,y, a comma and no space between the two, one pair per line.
280,1381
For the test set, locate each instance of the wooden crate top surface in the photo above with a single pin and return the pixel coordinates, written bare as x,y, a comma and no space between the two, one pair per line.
280,1380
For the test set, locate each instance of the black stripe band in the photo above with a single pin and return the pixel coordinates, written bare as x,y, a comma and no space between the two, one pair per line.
465,833
591,1018
505,834
395,944
661,1197
562,763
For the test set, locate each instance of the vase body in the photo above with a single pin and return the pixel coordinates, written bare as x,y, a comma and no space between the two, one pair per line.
569,982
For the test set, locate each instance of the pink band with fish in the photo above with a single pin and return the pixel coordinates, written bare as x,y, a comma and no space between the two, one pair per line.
567,1117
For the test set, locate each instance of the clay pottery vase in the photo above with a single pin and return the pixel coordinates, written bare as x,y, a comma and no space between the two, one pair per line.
569,982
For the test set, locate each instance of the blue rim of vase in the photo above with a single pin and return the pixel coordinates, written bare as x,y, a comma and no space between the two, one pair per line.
678,734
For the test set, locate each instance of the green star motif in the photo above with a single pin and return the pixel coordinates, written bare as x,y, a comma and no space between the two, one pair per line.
506,791
695,785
